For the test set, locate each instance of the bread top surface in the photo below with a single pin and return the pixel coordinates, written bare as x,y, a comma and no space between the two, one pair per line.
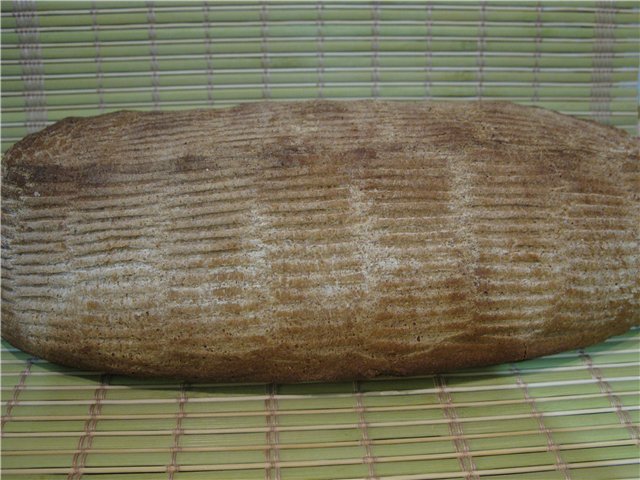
280,134
318,240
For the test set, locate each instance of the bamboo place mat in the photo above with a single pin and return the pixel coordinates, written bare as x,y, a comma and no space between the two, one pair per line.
83,58
568,416
574,415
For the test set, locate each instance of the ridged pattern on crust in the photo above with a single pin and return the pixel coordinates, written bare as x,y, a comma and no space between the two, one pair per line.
318,240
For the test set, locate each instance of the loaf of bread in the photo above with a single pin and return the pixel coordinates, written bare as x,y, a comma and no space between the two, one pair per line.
318,240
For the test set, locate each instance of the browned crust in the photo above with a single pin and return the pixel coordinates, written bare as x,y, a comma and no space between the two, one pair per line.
318,240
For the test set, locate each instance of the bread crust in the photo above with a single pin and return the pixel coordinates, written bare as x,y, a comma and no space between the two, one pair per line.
318,241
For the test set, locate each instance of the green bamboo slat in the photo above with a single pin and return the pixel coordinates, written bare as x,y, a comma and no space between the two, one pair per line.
622,471
539,439
16,444
61,461
396,450
608,418
630,401
276,46
130,442
623,342
599,402
319,473
120,4
163,458
617,357
293,91
53,395
481,444
312,77
236,475
418,467
13,353
607,453
225,426
218,32
584,473
330,45
80,411
587,388
417,59
16,369
196,31
506,461
544,475
43,426
250,406
124,459
613,433
229,441
13,132
254,457
274,12
302,415
7,143
391,74
573,358
62,381
387,12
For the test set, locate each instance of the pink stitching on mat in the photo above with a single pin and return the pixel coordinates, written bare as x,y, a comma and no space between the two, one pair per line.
536,54
560,464
272,453
177,432
375,47
264,49
481,46
602,61
18,387
465,459
428,52
86,440
96,44
25,14
320,47
153,51
207,51
369,459
614,400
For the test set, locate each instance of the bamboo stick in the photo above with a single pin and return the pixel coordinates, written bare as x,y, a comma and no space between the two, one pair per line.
329,411
337,426
300,446
512,470
329,395
263,465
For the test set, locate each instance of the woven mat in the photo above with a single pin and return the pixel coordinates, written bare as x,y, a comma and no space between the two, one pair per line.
573,415
80,58
569,416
